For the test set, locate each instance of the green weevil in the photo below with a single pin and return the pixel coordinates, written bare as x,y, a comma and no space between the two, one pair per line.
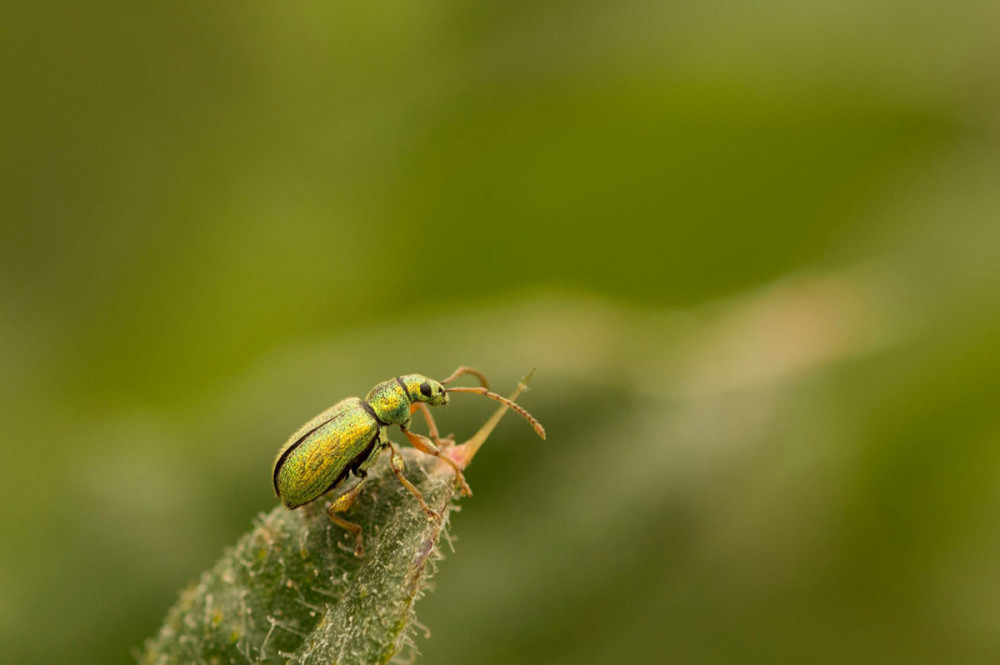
350,436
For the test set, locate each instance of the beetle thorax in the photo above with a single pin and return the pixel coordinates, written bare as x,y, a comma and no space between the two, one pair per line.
390,402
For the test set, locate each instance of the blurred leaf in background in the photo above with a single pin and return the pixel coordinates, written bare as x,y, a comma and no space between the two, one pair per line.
752,251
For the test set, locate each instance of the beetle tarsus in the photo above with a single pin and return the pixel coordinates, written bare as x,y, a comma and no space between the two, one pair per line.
425,445
341,504
359,543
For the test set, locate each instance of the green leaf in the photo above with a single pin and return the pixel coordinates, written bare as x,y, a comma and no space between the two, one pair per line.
291,590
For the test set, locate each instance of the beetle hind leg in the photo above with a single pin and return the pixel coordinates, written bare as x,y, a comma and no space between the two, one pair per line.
342,503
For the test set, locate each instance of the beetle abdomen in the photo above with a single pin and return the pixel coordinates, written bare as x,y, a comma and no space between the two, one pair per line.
320,454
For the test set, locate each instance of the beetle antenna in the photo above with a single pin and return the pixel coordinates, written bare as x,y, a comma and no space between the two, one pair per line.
467,370
506,402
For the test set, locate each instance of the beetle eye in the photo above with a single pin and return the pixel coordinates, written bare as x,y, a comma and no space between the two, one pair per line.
425,389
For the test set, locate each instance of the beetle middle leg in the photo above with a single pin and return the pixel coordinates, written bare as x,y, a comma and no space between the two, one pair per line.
343,503
423,444
397,465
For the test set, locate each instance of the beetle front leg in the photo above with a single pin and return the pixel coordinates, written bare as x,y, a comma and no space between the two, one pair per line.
343,503
397,465
464,369
432,426
423,444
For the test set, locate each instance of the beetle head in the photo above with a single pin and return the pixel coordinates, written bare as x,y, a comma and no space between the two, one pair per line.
423,389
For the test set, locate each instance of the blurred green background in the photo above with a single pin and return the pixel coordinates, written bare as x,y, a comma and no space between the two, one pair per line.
752,250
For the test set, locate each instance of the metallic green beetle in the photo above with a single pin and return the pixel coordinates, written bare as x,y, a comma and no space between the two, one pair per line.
350,436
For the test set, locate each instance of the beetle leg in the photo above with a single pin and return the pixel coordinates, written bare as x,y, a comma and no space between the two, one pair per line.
423,444
341,504
467,370
396,464
372,458
435,435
